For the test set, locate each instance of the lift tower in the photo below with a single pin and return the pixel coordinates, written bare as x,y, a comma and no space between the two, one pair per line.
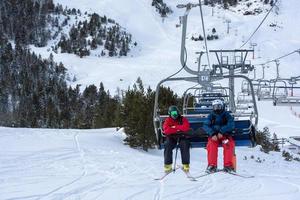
232,60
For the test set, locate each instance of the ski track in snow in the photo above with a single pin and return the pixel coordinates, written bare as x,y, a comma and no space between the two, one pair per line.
95,165
81,153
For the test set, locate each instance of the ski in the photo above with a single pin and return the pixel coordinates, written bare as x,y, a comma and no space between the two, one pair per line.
206,174
239,175
188,174
162,177
166,174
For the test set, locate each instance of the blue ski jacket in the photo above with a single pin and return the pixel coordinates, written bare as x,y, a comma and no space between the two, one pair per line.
219,123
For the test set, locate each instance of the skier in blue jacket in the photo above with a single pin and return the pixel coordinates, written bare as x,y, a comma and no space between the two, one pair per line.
219,126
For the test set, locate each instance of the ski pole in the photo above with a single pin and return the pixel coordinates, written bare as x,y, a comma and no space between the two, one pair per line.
177,145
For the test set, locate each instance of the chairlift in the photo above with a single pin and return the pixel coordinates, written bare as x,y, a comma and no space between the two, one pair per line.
291,93
280,89
265,90
255,84
243,98
245,88
245,125
202,99
244,105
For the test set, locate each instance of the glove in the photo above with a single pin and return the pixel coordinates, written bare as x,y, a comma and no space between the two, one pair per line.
220,135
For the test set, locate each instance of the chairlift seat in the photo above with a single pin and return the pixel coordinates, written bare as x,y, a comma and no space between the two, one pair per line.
295,101
243,133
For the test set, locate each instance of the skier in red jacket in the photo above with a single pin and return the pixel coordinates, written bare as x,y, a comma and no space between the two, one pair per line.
175,127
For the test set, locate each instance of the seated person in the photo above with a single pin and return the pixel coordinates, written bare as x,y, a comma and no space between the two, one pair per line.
175,126
219,126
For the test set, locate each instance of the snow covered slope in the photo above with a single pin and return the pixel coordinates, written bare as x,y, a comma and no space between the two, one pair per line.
95,165
157,55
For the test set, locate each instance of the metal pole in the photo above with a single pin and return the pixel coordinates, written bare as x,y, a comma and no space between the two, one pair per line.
176,152
263,66
277,67
253,47
228,27
204,35
183,20
199,60
253,96
231,86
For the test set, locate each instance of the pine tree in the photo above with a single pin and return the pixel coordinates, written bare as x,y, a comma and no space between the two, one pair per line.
263,138
275,143
94,44
213,31
101,107
133,115
137,113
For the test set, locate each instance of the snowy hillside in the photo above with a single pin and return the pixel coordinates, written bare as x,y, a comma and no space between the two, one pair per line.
159,42
93,165
157,54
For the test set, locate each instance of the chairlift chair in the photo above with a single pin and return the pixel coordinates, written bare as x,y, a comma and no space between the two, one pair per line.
255,84
245,123
265,90
245,126
292,99
245,88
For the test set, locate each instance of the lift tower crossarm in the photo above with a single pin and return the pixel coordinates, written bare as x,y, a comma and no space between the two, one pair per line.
245,68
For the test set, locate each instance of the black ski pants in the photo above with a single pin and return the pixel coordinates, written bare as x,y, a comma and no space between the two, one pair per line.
184,145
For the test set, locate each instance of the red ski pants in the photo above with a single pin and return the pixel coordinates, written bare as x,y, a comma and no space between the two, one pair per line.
228,149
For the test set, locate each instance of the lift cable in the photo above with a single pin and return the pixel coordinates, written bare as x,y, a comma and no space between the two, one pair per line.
204,35
260,24
276,59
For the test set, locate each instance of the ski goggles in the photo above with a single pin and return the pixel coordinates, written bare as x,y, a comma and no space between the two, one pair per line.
217,107
174,113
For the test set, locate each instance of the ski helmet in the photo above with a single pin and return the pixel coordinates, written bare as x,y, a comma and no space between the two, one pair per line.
173,112
218,105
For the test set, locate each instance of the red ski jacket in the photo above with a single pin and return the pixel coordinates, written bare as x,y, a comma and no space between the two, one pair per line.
172,126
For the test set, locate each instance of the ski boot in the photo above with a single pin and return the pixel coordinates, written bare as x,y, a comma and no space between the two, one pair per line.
211,169
186,167
168,168
228,169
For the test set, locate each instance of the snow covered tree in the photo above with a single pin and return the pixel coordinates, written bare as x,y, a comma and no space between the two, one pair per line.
263,138
116,41
275,142
213,31
30,28
161,8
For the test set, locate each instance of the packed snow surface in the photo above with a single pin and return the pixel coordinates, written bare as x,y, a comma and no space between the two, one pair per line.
96,165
